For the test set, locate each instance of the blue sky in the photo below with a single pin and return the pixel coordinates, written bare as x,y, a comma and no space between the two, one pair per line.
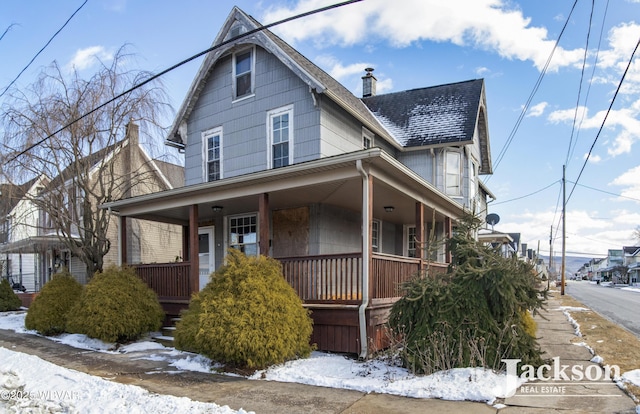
414,44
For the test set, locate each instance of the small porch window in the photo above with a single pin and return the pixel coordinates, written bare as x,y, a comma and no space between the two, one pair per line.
243,234
375,235
243,65
410,241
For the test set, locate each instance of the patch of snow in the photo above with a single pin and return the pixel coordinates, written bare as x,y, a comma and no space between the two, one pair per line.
34,385
574,323
83,342
597,359
140,346
631,289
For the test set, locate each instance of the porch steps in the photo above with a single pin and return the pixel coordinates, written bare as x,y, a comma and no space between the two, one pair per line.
165,336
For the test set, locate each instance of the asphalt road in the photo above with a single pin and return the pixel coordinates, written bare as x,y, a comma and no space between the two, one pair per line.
620,306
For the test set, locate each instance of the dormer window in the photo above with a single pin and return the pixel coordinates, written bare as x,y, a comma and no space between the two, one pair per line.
243,65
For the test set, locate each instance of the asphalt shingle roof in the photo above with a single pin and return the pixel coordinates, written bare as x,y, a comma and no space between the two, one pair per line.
433,115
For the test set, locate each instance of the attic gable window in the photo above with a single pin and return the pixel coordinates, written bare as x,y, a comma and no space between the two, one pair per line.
243,68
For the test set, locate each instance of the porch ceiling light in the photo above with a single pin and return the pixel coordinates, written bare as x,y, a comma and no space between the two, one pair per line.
389,209
216,209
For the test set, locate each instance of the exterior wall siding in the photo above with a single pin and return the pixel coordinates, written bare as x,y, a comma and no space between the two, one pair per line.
243,122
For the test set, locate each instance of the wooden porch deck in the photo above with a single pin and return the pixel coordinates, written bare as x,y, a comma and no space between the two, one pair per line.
329,285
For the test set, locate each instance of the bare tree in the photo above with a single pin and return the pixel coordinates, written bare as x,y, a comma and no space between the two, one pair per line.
59,99
636,234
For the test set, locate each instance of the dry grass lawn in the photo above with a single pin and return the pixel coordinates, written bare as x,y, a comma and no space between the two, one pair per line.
614,344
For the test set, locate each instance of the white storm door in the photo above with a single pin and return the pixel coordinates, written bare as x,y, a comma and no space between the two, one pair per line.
205,254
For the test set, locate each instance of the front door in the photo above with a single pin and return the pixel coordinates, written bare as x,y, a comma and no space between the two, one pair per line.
205,253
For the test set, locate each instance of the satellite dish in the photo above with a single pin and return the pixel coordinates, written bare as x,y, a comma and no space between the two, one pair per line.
492,219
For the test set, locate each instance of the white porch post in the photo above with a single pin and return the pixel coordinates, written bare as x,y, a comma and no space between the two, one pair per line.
367,209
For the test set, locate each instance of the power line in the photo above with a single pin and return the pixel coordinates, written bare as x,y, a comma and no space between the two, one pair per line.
527,195
43,48
533,92
177,65
604,191
6,30
584,62
593,72
624,74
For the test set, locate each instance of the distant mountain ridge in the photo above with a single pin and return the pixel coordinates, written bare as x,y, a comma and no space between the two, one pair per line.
572,263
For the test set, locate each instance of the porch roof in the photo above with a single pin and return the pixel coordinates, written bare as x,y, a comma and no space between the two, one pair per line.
334,180
35,244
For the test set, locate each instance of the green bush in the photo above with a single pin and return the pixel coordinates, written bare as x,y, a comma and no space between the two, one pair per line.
48,312
116,306
475,315
8,299
247,316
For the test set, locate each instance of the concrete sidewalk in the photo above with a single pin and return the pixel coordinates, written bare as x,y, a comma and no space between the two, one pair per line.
556,333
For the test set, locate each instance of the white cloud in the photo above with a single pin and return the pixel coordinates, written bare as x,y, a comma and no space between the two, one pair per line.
87,57
537,110
595,159
629,180
485,24
481,70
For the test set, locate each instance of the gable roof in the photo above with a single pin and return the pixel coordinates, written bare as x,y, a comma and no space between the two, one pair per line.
317,79
11,194
421,117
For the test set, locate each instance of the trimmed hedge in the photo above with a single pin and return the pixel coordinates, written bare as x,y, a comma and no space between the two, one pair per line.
247,316
49,311
9,301
116,306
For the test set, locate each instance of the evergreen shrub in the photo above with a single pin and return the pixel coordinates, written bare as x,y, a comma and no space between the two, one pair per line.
9,301
477,314
48,312
247,316
116,306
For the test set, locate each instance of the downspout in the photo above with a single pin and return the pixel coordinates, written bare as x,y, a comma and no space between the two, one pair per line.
365,261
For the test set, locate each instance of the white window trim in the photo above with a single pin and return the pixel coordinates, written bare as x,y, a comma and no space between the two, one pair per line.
205,162
459,173
270,115
367,135
227,229
377,248
237,98
405,239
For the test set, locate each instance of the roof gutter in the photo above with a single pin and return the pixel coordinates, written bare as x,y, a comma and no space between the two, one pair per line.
365,261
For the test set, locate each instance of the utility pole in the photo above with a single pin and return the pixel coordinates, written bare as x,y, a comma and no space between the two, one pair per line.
551,272
564,226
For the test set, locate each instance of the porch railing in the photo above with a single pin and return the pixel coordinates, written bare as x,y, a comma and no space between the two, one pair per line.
168,280
316,279
334,278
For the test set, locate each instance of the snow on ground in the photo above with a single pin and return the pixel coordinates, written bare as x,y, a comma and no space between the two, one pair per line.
79,391
631,289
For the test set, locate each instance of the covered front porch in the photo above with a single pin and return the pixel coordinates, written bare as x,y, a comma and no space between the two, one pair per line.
348,231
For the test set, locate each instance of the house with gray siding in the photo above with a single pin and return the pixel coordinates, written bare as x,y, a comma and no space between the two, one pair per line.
353,195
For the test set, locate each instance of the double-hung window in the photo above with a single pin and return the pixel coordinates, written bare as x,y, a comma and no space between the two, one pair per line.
453,173
243,68
280,132
212,142
243,234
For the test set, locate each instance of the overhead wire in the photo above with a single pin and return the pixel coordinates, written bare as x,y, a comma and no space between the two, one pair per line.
593,71
536,86
42,49
604,120
527,195
177,65
584,63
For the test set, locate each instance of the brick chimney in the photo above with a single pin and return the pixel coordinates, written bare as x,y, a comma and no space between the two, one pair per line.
368,84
